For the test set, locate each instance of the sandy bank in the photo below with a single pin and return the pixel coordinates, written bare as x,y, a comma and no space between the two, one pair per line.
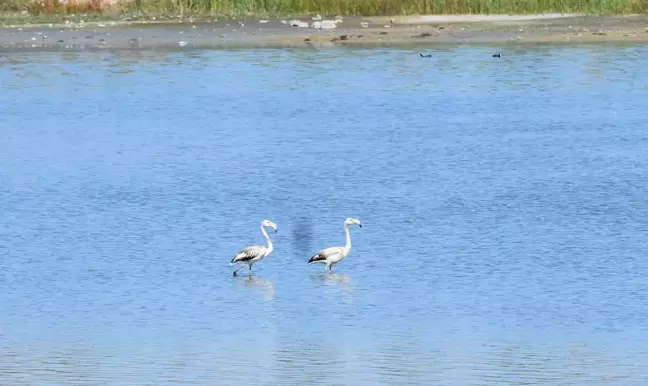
382,31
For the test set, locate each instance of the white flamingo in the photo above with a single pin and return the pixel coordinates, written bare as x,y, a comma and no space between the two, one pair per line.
333,255
254,253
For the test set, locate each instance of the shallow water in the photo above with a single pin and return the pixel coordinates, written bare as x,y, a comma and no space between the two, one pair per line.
503,201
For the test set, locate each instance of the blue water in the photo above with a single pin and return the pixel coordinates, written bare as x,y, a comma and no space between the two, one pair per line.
504,207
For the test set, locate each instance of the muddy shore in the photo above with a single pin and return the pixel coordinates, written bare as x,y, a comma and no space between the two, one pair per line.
369,31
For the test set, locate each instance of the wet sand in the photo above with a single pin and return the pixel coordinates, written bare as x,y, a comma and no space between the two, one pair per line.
369,31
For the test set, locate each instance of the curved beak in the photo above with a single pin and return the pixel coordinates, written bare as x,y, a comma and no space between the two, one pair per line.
275,229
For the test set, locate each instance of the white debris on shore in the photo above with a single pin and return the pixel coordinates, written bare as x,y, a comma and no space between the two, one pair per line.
324,24
329,24
298,23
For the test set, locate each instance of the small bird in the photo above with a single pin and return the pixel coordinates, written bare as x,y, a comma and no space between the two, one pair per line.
254,253
426,56
497,55
333,255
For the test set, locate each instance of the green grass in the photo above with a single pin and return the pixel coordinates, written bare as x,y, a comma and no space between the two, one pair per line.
333,7
394,7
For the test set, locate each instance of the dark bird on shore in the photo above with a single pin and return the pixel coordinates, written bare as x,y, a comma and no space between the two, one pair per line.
426,56
497,55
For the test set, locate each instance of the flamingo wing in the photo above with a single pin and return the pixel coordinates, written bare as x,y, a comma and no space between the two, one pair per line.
324,254
249,253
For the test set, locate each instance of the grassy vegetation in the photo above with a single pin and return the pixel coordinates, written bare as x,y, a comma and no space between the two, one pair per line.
398,7
329,7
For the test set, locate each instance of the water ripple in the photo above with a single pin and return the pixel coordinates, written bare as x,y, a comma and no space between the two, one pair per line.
502,204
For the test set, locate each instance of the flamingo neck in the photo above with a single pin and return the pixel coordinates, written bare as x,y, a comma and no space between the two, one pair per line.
267,239
347,247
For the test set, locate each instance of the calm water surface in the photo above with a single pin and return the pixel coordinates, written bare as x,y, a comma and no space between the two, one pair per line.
504,205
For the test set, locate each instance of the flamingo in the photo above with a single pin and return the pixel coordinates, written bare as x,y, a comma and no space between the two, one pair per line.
333,255
254,253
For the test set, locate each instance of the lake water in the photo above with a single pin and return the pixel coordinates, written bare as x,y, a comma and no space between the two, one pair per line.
503,200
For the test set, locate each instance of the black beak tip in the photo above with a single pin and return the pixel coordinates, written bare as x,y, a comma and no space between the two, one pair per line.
360,225
275,231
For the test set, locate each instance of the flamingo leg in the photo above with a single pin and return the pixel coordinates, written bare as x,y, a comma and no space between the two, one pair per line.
239,268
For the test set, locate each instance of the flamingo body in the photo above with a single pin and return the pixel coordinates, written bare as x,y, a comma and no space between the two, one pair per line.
248,256
333,255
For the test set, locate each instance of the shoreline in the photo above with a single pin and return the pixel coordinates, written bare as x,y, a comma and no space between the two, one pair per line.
403,31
